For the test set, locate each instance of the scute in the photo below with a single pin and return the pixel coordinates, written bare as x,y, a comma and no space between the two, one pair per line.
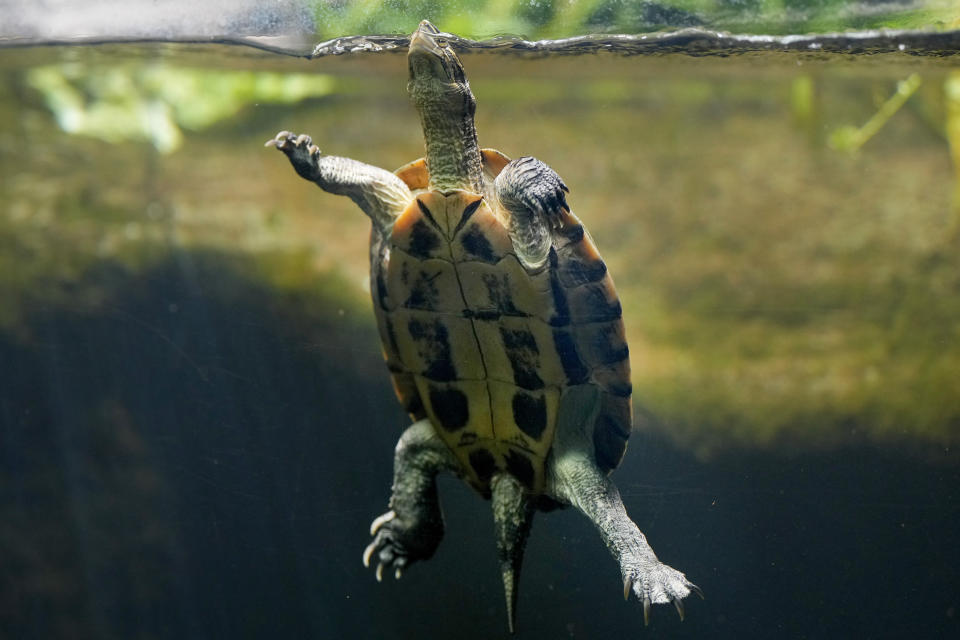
598,337
484,347
611,431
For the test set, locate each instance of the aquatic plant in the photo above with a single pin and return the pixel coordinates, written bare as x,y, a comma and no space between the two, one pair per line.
561,18
154,102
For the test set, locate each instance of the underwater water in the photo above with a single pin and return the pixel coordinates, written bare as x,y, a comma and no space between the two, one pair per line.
196,426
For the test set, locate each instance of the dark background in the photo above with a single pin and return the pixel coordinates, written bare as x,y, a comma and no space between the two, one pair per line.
197,456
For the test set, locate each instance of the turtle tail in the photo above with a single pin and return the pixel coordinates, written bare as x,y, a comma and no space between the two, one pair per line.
512,515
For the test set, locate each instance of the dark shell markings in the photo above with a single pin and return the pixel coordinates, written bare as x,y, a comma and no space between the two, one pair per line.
502,333
490,346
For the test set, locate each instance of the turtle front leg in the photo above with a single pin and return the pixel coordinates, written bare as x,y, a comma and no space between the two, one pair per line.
413,527
381,194
534,196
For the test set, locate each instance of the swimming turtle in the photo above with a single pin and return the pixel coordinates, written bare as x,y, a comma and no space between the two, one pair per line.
502,332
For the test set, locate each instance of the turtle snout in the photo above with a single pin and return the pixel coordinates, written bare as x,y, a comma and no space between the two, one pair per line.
427,27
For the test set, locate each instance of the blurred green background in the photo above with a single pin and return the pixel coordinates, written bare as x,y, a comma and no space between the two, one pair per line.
782,229
196,425
562,18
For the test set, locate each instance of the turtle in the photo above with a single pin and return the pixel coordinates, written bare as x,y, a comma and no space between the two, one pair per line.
502,333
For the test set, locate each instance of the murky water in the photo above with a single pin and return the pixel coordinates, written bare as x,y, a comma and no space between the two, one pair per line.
196,427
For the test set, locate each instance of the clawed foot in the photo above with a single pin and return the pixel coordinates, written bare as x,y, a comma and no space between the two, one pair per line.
658,584
301,151
530,184
396,545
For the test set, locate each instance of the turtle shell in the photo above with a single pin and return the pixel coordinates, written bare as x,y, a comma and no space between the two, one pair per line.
485,348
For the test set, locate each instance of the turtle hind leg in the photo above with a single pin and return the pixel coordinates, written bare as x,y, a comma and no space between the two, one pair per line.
413,527
581,482
513,513
574,478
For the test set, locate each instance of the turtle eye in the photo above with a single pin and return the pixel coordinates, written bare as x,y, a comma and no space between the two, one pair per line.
442,43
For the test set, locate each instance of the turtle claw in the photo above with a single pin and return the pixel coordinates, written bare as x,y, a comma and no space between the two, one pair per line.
396,543
381,520
400,563
678,603
658,583
368,553
280,140
300,150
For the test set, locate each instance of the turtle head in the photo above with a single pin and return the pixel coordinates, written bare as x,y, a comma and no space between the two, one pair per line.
436,73
441,94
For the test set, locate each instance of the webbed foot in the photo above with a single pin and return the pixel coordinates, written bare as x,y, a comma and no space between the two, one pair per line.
534,196
656,583
303,154
397,543
413,527
528,183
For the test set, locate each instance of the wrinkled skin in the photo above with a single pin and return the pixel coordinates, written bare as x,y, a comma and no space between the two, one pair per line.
531,197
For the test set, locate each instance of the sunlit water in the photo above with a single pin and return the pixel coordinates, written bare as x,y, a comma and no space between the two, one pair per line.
196,427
